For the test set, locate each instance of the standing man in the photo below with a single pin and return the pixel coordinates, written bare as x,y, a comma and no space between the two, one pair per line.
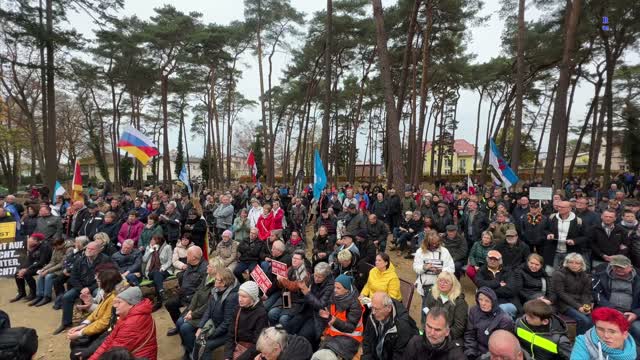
170,222
608,239
48,225
564,235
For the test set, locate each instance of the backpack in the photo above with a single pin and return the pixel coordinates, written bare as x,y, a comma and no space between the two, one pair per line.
18,343
5,323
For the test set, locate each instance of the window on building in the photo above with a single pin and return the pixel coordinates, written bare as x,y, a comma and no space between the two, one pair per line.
447,171
448,163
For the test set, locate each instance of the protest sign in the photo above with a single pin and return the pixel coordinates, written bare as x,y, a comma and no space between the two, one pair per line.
12,250
279,268
540,193
258,275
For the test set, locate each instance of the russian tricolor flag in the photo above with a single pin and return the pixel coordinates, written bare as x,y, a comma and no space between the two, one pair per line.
138,145
509,178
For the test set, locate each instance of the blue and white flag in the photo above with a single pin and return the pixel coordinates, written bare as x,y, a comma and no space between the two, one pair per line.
319,177
58,191
184,177
509,178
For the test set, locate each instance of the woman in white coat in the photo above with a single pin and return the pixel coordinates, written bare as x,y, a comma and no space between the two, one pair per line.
430,260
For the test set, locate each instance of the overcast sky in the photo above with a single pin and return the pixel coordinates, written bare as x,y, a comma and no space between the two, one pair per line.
484,42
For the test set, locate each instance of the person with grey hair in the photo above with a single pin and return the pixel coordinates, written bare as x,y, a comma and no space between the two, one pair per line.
274,344
297,273
572,294
223,215
316,297
170,222
389,329
75,252
129,262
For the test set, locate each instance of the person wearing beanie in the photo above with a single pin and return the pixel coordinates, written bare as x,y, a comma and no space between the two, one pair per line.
248,321
135,329
343,318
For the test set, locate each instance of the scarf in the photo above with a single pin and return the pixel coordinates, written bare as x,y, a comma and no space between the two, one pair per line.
227,243
599,350
154,263
295,242
534,220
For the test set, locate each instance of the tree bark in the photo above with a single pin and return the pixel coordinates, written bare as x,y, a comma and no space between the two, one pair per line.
475,154
393,134
593,110
268,159
324,139
51,166
544,128
517,126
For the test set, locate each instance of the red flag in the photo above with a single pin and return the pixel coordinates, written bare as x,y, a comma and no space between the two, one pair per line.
76,185
251,161
471,189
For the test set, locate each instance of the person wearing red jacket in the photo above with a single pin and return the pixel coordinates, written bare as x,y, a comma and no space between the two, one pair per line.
278,218
265,223
135,329
131,229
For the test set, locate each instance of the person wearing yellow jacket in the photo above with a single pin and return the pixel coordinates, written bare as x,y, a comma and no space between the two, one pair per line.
87,336
383,277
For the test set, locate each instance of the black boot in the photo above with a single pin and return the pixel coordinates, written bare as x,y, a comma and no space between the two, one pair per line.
158,304
35,301
18,297
60,329
30,297
45,300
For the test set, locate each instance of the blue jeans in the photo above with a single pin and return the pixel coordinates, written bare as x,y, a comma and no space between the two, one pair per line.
44,285
133,280
266,267
510,309
583,321
212,345
278,315
271,300
158,278
68,299
187,335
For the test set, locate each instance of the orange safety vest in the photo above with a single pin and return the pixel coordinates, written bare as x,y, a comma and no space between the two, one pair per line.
342,315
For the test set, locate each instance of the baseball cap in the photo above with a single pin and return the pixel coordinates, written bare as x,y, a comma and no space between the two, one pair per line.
511,232
620,261
494,254
451,228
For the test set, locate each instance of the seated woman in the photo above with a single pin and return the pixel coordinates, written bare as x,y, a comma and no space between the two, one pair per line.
608,339
535,281
430,260
48,274
478,254
344,265
187,323
275,344
227,250
179,258
86,337
217,316
151,229
297,273
344,329
322,246
484,318
70,258
135,329
447,294
296,242
572,294
383,277
247,322
159,266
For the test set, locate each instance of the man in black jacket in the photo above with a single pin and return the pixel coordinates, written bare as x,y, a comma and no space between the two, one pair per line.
473,223
378,232
457,247
506,283
435,344
531,227
564,235
250,253
394,206
608,239
82,279
38,255
80,216
90,225
190,280
389,329
129,262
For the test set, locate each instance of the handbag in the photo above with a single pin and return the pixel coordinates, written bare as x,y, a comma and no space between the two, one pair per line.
241,346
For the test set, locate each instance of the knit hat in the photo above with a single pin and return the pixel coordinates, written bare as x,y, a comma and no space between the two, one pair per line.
344,280
227,233
251,288
132,295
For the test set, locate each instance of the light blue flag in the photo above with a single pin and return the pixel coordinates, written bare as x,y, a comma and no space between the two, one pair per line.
58,191
184,177
319,177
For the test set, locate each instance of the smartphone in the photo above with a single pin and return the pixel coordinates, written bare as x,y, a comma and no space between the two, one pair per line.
286,300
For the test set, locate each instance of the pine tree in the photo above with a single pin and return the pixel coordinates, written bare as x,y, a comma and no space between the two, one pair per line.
631,145
179,154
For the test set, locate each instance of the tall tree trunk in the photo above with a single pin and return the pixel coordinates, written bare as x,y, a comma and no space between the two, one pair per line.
186,143
268,159
424,87
166,160
475,153
517,126
393,134
560,108
593,110
408,50
544,129
324,136
43,85
51,165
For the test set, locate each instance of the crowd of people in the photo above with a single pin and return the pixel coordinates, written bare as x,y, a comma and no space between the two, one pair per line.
333,292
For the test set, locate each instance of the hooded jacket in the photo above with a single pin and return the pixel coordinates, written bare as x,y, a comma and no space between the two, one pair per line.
544,342
481,324
420,348
136,331
386,281
390,344
345,347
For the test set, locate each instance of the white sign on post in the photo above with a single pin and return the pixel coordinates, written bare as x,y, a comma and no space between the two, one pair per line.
540,193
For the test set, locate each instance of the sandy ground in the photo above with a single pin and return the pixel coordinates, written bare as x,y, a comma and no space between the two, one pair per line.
44,319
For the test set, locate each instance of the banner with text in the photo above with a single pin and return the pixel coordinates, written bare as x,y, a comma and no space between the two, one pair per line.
12,250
